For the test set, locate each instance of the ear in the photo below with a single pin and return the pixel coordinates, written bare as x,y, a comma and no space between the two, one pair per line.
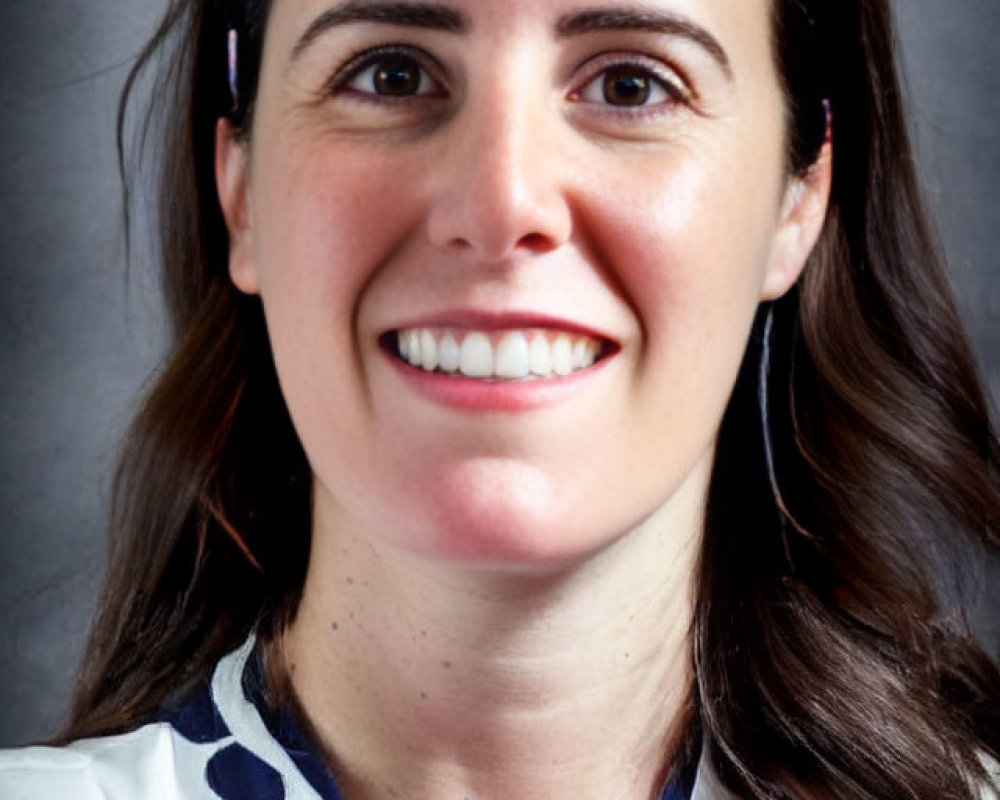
803,212
231,184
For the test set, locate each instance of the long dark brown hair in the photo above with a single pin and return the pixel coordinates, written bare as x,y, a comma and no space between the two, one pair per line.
856,463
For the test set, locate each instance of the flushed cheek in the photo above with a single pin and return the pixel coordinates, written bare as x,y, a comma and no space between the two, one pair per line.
322,231
691,263
329,220
690,246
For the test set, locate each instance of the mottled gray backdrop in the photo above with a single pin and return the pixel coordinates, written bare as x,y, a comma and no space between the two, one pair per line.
77,341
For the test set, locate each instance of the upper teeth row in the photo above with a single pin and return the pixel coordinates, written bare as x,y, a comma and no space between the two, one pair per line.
514,354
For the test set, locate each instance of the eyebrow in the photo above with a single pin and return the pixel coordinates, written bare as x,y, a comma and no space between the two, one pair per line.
415,15
435,16
625,18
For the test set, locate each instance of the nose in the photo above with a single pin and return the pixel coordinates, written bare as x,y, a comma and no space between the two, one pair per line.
499,189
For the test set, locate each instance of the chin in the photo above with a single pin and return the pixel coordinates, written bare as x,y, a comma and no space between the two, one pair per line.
512,519
499,537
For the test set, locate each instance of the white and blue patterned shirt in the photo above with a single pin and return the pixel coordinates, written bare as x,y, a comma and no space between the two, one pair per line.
214,745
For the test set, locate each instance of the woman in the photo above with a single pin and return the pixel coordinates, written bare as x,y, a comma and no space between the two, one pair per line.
462,455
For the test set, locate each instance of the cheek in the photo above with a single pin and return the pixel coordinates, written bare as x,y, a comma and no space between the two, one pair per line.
691,263
325,224
322,231
693,241
692,244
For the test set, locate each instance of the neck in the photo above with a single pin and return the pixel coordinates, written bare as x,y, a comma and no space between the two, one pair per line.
429,680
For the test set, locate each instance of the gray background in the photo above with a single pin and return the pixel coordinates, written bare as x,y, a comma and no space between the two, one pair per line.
77,341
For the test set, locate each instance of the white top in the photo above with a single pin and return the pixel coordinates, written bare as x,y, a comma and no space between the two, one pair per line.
225,752
216,749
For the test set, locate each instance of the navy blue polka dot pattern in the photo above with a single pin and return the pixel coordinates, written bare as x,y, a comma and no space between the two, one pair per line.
237,774
196,717
287,731
675,792
682,786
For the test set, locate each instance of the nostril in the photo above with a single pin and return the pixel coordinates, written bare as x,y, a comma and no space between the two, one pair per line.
535,241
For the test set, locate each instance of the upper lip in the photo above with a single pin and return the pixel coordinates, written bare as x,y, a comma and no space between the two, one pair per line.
487,321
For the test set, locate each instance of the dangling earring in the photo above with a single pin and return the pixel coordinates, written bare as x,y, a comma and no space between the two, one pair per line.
232,64
763,401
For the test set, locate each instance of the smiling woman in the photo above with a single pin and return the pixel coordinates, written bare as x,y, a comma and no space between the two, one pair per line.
505,239
565,401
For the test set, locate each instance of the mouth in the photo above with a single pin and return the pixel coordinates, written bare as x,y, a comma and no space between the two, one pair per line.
529,354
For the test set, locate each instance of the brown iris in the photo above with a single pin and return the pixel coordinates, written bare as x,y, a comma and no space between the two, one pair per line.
626,87
396,76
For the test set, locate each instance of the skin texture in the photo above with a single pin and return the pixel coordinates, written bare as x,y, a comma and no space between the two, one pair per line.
487,589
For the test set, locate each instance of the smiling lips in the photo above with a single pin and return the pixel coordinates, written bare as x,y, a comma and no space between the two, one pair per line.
498,356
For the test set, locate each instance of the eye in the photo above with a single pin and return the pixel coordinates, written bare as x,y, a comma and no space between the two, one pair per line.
630,86
623,86
388,73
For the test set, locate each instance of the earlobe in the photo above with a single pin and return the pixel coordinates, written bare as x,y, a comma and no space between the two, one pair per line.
231,184
803,213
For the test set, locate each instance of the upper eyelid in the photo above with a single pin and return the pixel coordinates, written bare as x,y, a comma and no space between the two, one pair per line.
656,67
365,57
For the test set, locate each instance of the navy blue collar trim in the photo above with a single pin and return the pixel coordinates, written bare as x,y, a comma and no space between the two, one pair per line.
283,725
237,774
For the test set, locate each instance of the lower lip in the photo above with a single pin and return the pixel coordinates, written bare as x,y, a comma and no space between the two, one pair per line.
502,396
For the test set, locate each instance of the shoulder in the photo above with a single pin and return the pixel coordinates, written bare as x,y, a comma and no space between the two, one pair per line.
210,744
45,772
153,760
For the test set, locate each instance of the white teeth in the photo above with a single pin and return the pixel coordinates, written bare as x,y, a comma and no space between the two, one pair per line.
541,356
513,355
476,356
413,348
428,351
562,356
448,354
584,353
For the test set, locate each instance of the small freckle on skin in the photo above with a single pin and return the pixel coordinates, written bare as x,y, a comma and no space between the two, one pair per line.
350,581
446,664
423,695
423,633
335,626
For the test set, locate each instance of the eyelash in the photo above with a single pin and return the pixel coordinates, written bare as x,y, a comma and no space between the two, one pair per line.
359,63
673,88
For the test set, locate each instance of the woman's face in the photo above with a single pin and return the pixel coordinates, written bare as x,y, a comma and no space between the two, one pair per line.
505,191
